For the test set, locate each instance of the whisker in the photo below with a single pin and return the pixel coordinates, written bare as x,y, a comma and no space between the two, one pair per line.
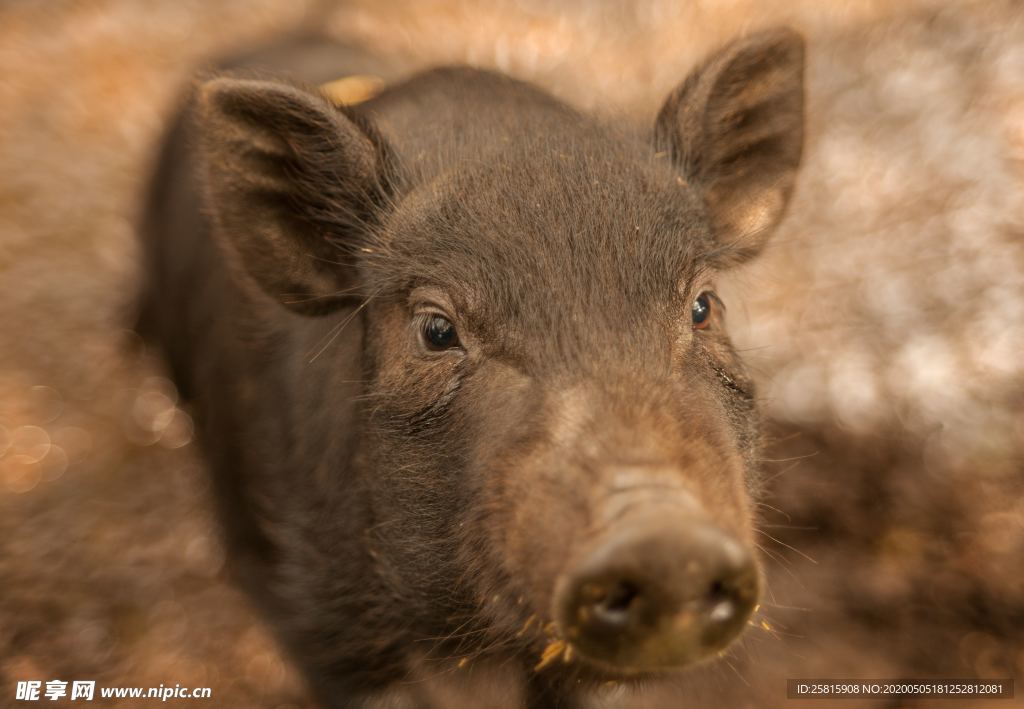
738,673
339,328
775,509
791,548
787,460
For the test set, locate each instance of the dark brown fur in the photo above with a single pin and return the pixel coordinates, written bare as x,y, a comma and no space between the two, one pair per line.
393,508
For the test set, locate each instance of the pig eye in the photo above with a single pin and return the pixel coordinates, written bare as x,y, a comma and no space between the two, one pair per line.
701,311
439,333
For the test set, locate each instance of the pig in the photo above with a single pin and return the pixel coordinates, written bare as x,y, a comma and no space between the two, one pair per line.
459,370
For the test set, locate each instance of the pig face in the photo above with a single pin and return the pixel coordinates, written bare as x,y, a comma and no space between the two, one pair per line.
558,441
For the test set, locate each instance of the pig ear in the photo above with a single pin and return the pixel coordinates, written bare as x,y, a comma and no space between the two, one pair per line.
735,130
294,186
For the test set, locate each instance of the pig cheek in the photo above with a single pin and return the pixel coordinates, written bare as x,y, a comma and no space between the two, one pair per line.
523,495
544,513
716,471
543,527
727,497
404,382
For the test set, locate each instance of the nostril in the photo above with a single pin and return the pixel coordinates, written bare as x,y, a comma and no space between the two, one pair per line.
717,591
727,603
658,596
608,605
613,605
721,602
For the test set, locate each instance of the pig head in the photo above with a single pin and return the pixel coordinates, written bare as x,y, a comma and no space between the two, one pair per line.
545,447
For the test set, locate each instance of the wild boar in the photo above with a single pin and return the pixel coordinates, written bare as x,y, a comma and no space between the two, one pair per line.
460,372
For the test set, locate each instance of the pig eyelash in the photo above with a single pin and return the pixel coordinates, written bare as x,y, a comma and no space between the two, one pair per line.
706,306
433,335
435,412
719,303
701,311
731,383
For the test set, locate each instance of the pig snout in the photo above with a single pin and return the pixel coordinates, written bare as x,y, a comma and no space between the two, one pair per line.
662,587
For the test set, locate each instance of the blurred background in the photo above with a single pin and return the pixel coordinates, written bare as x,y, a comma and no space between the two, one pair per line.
885,324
